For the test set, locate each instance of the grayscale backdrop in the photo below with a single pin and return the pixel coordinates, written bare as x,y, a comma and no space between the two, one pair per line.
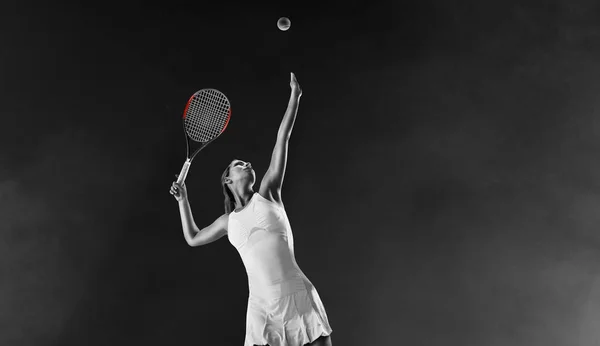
443,181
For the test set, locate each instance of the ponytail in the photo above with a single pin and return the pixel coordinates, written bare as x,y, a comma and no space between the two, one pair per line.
229,199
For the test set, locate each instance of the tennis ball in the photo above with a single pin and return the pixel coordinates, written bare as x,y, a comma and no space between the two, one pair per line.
283,23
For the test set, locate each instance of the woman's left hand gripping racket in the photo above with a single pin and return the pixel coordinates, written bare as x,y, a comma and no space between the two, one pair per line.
205,117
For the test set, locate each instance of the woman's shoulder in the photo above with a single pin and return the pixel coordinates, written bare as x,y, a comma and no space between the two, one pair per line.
270,199
223,221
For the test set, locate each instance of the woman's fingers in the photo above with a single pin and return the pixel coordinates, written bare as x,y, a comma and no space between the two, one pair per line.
175,189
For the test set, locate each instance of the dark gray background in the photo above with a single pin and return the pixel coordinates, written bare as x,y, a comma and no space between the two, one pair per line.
443,178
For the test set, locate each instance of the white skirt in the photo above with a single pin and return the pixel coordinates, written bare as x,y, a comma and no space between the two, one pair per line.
285,314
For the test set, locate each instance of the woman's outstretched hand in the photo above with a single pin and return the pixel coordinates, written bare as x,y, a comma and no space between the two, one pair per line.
294,85
179,191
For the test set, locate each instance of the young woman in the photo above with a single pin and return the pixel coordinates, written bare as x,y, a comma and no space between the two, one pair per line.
284,308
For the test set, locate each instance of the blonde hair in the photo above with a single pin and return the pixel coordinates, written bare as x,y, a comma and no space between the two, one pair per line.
229,198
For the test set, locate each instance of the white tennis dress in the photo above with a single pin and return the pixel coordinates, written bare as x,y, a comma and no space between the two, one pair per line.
284,308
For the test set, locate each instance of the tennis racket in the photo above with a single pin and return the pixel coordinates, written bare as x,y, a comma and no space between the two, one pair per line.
205,117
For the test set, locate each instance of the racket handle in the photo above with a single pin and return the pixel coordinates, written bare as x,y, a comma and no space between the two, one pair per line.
184,171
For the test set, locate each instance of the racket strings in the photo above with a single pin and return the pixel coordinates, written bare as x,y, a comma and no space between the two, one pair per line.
207,115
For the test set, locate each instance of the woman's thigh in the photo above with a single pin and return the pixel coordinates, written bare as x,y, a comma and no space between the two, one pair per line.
321,341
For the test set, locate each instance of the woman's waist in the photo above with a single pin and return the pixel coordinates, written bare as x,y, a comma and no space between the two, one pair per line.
270,264
272,289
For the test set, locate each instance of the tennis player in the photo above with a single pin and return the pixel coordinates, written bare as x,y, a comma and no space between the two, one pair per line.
284,308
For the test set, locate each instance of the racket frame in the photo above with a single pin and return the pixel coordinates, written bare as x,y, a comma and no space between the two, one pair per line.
190,157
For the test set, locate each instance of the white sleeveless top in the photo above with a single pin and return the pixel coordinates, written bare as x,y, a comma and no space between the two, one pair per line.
262,234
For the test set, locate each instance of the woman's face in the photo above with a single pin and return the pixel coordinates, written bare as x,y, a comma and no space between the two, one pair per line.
240,170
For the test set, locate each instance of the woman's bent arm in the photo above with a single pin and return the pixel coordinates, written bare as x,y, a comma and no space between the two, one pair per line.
190,229
194,236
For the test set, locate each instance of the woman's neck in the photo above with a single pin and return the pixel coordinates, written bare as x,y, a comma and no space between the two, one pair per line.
242,198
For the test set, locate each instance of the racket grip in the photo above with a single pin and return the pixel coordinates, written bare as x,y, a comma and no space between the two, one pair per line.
184,171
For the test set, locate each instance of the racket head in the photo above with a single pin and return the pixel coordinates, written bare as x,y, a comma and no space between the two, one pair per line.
206,115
